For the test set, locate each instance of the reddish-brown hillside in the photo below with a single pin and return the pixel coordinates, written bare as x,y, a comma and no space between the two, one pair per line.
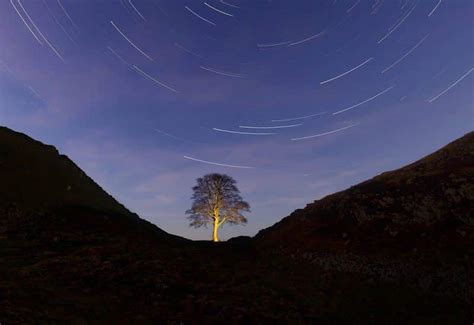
427,202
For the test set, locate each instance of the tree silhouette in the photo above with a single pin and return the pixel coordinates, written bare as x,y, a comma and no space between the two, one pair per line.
216,200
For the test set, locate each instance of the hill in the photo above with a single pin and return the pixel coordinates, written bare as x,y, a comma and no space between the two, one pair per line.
434,194
42,190
35,176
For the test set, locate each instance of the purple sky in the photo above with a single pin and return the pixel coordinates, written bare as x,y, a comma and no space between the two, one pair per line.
127,89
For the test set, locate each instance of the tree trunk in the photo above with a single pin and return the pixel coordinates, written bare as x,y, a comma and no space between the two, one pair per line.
214,231
216,225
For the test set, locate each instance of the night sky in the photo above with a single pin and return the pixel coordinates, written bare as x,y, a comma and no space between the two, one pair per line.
294,99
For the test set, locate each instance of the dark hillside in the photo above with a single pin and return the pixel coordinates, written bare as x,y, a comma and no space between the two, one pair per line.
433,195
35,176
44,190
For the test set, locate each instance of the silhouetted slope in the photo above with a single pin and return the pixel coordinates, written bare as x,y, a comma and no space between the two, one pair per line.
45,190
36,176
435,193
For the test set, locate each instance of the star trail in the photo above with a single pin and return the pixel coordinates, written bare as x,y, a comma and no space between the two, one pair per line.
147,95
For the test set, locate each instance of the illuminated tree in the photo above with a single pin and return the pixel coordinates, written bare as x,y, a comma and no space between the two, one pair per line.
216,200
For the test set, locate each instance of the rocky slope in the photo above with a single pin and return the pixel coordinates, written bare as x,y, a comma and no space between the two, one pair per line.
434,194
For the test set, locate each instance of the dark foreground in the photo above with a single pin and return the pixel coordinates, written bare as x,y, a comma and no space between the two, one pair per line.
113,280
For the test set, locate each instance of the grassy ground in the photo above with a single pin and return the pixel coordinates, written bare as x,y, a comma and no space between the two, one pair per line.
115,280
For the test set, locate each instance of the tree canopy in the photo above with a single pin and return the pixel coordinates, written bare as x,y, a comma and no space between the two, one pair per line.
216,201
